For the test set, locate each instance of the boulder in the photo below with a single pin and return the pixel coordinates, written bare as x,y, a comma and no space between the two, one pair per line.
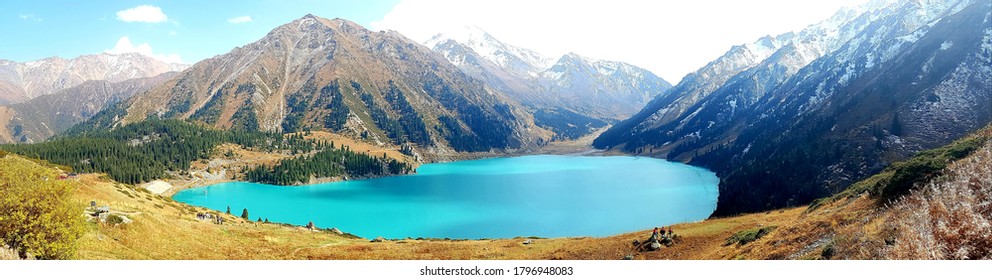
667,241
628,257
336,231
654,246
378,239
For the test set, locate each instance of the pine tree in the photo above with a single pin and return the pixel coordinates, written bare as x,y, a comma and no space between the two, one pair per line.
244,214
229,210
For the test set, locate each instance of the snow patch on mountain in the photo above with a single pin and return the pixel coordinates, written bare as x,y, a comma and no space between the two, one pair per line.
500,53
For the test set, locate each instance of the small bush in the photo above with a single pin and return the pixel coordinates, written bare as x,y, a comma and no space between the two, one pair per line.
748,236
114,219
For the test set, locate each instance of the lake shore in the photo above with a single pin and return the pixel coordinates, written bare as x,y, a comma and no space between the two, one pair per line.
169,230
221,170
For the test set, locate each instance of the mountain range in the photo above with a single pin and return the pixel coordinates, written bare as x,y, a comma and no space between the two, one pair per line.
591,92
335,75
797,116
41,98
42,117
20,82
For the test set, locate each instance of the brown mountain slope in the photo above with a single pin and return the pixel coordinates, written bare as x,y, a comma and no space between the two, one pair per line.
42,117
335,75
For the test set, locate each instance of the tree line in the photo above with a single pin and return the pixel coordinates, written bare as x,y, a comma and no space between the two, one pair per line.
326,163
147,150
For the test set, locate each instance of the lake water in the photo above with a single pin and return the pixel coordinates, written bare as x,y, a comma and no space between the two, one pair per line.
545,195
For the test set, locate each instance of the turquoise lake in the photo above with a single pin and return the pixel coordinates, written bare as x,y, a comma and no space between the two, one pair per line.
543,195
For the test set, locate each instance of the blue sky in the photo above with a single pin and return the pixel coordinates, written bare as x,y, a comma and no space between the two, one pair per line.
669,37
191,30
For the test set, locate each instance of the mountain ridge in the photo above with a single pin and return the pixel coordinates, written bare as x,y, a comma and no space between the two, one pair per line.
315,73
580,87
851,103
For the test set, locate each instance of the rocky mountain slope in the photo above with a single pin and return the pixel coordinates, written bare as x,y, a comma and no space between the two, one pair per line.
20,82
335,75
791,118
571,85
42,117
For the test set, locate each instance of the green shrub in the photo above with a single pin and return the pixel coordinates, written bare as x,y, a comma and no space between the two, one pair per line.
748,236
114,219
924,166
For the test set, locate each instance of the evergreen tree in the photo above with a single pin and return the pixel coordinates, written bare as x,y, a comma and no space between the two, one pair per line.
244,214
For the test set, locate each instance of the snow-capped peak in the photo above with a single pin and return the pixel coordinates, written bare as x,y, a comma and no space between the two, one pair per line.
487,46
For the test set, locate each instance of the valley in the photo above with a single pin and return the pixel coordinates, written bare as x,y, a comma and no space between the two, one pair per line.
865,135
850,225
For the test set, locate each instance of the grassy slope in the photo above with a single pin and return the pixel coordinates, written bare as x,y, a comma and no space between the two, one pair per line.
164,229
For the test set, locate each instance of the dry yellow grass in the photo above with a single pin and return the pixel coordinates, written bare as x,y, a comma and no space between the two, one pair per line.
7,254
165,229
950,218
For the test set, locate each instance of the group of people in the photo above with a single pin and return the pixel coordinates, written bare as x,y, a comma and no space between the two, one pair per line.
217,219
659,237
659,233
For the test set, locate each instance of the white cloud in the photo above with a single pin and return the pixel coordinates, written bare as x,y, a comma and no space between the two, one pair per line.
143,13
670,38
124,45
241,19
29,17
